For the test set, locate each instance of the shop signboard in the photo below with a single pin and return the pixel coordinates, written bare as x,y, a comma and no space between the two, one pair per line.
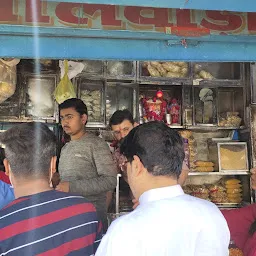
127,18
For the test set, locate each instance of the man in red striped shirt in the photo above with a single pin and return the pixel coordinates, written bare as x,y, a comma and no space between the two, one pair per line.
42,221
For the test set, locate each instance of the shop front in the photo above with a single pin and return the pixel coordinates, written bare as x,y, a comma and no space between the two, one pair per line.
190,68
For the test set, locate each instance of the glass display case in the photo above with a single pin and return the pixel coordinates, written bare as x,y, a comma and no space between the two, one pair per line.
39,101
121,96
38,66
161,103
93,67
225,191
164,70
233,156
226,188
230,107
216,70
92,93
205,109
121,69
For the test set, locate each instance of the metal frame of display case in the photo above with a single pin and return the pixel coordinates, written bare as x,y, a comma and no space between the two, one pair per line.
105,82
135,100
253,82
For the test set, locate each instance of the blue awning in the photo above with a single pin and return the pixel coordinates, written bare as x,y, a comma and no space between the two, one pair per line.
68,43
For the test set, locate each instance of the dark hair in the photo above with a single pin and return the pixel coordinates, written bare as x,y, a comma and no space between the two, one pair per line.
75,103
29,148
159,148
119,116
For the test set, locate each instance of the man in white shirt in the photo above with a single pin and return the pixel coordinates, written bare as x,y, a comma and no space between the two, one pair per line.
166,222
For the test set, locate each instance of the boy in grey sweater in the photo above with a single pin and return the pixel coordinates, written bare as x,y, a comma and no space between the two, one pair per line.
86,166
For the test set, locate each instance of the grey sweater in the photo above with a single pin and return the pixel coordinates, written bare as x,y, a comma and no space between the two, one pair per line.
88,166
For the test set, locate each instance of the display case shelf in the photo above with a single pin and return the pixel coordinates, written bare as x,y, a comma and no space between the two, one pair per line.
160,81
212,127
219,173
229,206
217,83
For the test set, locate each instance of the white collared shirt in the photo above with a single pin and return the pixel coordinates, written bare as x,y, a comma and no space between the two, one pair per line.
168,222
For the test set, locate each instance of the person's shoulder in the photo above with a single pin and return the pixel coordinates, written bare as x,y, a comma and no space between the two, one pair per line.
65,147
125,222
204,208
14,206
201,202
96,142
93,138
50,200
74,198
201,205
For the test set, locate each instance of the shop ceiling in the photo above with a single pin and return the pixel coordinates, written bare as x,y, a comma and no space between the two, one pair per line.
58,30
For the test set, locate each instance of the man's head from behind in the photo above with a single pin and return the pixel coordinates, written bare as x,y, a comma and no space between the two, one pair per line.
30,151
154,155
121,123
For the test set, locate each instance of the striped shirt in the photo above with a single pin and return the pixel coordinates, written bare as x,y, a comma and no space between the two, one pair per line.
49,223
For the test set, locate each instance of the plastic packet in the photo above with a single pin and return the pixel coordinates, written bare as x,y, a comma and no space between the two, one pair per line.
65,89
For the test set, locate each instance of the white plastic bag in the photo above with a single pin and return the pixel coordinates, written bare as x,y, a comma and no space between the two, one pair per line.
74,68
